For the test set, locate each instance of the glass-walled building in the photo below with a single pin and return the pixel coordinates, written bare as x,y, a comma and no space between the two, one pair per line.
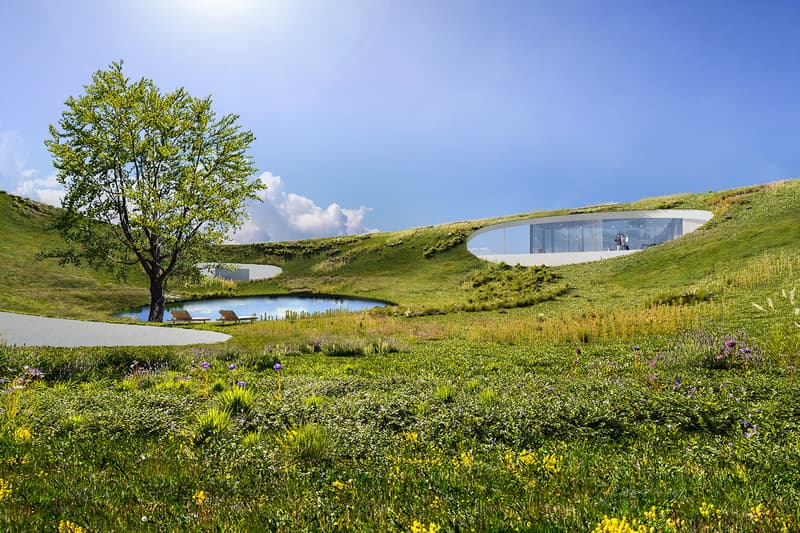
596,235
583,237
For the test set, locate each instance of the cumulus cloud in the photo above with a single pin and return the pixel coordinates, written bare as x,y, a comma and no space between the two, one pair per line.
46,190
282,216
285,216
16,177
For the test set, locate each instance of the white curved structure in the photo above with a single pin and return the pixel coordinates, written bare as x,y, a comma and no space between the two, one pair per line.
239,271
569,239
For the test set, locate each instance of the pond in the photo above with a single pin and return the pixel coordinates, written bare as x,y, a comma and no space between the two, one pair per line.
273,307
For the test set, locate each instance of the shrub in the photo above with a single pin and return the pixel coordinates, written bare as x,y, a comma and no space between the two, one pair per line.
445,393
308,443
488,397
237,400
209,425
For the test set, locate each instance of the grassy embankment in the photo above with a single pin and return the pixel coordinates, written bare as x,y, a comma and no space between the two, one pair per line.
615,394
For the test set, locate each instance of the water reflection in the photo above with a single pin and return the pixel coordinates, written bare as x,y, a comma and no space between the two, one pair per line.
261,306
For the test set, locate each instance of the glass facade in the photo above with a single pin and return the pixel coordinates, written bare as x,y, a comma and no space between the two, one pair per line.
598,235
578,236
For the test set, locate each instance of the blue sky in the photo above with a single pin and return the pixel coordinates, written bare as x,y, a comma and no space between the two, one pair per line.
382,114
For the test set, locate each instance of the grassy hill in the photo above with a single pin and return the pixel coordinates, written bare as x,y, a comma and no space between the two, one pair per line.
643,393
28,285
755,232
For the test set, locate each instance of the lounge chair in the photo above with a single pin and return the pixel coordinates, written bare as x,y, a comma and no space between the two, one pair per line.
230,316
181,315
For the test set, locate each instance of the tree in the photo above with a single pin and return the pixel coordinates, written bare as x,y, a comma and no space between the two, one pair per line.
150,178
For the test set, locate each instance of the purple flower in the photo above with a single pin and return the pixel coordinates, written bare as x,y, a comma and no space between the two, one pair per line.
241,383
205,365
277,367
636,348
577,351
651,363
35,372
232,366
730,344
745,350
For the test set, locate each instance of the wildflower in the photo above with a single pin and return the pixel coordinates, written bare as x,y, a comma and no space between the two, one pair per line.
552,463
205,365
411,437
651,363
759,513
527,457
748,428
277,367
199,497
636,348
577,351
5,489
232,366
22,435
618,525
709,510
730,344
419,527
465,461
241,383
34,372
65,526
337,485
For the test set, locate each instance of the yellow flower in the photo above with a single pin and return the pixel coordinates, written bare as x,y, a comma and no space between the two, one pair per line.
5,489
411,437
337,485
651,514
22,435
465,461
527,457
619,525
419,527
199,497
759,513
709,510
65,526
552,463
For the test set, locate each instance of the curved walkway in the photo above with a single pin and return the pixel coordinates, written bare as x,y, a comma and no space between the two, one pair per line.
29,330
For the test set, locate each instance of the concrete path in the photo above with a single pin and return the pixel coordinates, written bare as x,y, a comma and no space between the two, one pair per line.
32,330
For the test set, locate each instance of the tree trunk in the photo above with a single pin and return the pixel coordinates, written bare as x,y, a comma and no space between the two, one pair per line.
156,300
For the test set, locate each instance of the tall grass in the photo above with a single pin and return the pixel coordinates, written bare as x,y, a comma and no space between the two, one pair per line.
592,324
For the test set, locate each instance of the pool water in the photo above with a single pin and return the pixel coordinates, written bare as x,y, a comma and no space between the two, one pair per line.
274,307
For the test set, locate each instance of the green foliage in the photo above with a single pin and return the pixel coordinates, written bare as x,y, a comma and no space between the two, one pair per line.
450,240
150,177
237,400
688,296
309,443
486,421
501,285
445,392
210,425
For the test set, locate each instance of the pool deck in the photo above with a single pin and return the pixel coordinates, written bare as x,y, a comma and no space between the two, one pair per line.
30,330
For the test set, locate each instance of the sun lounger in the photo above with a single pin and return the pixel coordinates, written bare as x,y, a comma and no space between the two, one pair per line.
183,316
230,316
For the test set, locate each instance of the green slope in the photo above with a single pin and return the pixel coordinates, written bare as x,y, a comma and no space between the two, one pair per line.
753,228
28,285
748,250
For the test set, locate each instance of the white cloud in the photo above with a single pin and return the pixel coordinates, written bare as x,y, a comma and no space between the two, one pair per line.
285,216
47,190
282,216
17,178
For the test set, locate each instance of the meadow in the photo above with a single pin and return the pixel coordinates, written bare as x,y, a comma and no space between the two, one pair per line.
654,392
